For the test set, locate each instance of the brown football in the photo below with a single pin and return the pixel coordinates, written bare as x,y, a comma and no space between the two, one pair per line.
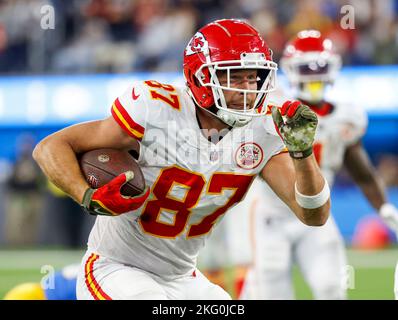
100,166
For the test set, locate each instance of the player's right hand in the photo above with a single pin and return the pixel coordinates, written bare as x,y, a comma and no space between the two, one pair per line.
298,132
107,200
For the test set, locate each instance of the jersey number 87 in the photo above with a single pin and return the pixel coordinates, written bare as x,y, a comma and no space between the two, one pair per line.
181,208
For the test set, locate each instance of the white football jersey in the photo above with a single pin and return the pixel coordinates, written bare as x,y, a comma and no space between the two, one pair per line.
343,126
193,182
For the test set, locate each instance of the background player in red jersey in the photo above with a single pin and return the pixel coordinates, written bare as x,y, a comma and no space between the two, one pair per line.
311,64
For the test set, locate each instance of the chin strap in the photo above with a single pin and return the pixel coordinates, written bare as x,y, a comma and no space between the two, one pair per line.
233,120
313,92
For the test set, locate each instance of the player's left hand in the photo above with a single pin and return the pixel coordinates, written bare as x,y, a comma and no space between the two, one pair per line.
298,131
389,214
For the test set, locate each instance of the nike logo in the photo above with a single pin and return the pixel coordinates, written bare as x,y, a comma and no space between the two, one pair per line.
135,97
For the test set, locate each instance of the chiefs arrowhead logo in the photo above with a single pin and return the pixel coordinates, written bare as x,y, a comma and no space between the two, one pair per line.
197,44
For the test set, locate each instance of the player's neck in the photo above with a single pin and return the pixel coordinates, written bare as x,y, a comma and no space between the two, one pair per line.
209,123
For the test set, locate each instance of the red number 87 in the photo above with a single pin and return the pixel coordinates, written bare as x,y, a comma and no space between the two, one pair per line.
181,208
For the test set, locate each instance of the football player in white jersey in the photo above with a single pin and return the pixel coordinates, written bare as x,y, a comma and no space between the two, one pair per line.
310,64
200,148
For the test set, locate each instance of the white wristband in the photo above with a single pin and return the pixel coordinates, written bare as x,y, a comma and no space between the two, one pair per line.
315,201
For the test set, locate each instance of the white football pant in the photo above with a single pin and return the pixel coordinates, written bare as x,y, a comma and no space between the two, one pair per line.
281,242
103,279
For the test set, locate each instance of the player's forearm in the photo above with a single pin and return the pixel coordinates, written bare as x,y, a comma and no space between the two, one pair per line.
310,182
309,178
374,192
364,174
58,161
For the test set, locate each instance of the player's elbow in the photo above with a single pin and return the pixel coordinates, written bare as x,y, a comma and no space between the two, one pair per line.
316,217
37,151
40,150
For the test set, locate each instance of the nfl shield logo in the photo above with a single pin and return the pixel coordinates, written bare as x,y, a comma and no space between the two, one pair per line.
214,155
92,180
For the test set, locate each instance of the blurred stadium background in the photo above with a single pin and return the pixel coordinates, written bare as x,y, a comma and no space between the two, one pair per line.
54,77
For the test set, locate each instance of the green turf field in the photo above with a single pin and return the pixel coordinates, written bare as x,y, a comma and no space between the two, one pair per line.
17,266
373,271
370,283
373,275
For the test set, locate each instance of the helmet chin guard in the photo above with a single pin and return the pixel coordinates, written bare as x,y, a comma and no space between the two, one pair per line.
313,92
232,119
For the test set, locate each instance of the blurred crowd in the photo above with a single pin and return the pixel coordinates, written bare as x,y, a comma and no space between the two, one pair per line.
118,36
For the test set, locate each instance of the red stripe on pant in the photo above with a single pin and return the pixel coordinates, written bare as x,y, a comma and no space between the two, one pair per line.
92,285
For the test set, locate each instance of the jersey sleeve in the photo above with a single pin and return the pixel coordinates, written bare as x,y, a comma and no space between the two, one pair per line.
280,149
356,124
130,111
278,145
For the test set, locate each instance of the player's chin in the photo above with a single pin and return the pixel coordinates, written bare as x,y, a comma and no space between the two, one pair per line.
239,107
235,107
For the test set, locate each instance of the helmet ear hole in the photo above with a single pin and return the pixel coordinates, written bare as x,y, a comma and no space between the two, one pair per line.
262,74
193,79
196,81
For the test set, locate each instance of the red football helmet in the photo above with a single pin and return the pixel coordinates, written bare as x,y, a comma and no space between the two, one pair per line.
309,62
227,45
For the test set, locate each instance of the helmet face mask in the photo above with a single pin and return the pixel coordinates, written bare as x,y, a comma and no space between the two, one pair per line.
264,84
310,65
228,46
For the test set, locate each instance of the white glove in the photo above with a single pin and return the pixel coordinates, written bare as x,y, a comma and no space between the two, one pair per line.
389,214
